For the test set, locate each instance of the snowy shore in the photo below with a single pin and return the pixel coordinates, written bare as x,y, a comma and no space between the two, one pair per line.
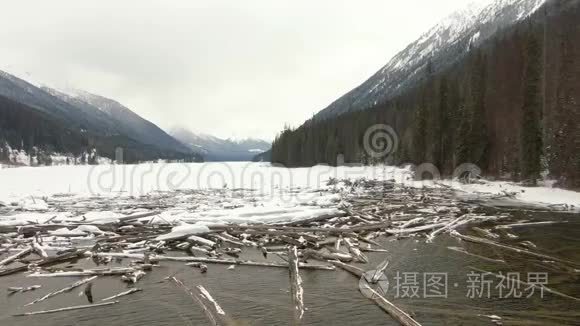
226,192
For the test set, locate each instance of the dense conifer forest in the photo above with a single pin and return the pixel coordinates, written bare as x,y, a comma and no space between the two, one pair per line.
510,106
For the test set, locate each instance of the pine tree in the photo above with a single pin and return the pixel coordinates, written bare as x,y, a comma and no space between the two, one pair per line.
531,133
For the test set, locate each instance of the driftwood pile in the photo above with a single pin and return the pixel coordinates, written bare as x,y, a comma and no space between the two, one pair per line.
320,243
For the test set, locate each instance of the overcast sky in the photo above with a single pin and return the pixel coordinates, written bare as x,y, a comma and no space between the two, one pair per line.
228,68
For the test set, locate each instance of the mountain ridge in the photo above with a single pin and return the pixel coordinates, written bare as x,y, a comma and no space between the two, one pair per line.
219,149
90,126
439,47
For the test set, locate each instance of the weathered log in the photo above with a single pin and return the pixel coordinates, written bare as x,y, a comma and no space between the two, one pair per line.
18,255
331,230
397,313
227,261
290,241
509,226
23,289
324,256
200,240
46,262
87,272
356,253
130,218
349,268
63,290
314,219
379,271
122,294
38,249
515,249
213,305
446,227
296,290
208,313
65,309
463,251
415,229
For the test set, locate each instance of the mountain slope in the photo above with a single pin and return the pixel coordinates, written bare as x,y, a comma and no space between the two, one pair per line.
88,126
217,149
508,106
436,50
124,119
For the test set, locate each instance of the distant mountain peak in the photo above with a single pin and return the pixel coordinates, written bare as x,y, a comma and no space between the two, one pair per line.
220,149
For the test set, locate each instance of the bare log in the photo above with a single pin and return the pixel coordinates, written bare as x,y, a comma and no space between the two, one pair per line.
122,294
213,305
463,251
63,290
349,268
88,272
379,271
18,255
227,261
323,256
46,262
295,285
65,309
23,289
38,249
415,229
356,253
130,218
397,313
210,316
511,248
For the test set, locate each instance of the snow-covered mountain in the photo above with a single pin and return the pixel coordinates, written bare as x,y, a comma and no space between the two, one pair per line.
437,49
60,122
217,149
123,118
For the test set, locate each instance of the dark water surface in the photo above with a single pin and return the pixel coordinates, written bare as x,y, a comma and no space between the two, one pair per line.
259,295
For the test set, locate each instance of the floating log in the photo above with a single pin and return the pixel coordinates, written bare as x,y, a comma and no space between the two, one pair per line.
511,248
349,268
397,313
88,272
18,255
463,251
23,289
296,290
448,226
46,262
379,271
65,309
508,226
38,249
355,252
63,290
213,305
227,261
200,240
415,229
314,219
323,256
208,313
122,294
